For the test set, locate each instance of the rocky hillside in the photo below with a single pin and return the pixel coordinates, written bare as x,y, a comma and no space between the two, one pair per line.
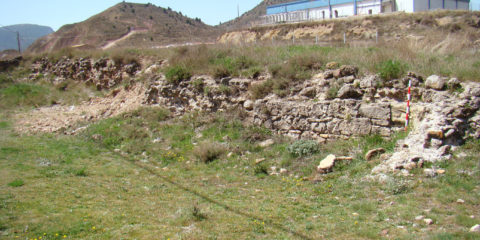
29,33
126,24
437,30
252,17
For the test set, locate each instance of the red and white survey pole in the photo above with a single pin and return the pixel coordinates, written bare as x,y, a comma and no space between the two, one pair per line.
409,98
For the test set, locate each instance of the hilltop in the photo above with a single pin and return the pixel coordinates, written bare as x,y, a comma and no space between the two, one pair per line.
29,33
139,24
251,17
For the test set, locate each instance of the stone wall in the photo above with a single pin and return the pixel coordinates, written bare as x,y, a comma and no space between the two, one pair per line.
103,73
444,111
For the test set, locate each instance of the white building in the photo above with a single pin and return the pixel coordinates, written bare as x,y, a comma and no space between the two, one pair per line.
324,9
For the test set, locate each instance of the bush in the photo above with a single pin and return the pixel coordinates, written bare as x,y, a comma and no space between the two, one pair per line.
332,92
221,71
302,148
259,91
253,72
261,169
391,69
208,152
176,74
198,84
255,134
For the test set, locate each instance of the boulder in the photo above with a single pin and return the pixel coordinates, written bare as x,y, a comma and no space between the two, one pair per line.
435,82
309,92
436,134
327,164
332,65
374,152
453,83
248,105
376,111
348,91
475,228
348,70
369,81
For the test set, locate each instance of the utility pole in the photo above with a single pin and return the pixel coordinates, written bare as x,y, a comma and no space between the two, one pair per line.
238,10
18,41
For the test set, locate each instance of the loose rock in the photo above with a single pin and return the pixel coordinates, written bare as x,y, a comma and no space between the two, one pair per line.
475,228
428,221
266,143
374,152
435,82
326,164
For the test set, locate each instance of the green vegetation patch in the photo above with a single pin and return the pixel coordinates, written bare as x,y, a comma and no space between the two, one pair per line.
16,183
391,69
176,74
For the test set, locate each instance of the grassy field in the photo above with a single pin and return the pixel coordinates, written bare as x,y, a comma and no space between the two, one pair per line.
146,177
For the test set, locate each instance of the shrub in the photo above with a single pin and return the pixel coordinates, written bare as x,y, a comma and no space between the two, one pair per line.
261,169
198,84
259,91
121,57
255,134
332,92
16,183
176,74
275,70
391,69
208,152
253,72
224,89
221,71
302,148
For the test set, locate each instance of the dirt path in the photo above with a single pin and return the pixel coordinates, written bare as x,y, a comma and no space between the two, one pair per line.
114,42
59,118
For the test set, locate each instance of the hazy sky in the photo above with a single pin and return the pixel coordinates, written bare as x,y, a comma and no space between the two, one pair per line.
56,13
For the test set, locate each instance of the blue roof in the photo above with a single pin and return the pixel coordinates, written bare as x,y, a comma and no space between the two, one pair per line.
302,5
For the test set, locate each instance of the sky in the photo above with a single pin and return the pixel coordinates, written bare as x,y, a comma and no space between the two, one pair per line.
56,13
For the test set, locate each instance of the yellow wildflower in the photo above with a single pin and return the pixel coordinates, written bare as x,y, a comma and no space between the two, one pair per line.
93,228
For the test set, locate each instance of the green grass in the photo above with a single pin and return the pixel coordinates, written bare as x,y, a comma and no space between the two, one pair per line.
158,189
16,183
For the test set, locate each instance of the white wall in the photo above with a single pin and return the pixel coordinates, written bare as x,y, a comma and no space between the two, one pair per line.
405,5
364,7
